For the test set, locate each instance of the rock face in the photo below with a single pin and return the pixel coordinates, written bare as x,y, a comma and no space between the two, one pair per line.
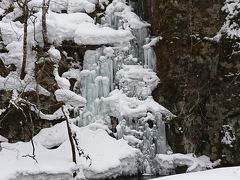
200,78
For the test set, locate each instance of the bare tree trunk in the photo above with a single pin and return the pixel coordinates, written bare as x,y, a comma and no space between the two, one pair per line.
25,34
45,6
70,139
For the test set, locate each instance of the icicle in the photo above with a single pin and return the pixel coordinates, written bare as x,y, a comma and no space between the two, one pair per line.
149,53
102,86
89,60
161,137
137,44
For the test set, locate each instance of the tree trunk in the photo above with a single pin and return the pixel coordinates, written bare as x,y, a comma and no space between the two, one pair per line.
24,62
70,137
45,7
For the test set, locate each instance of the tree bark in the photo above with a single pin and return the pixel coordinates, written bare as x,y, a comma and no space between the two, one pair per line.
70,137
45,6
25,34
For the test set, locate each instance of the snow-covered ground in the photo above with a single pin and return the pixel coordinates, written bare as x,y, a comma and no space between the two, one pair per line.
109,157
231,173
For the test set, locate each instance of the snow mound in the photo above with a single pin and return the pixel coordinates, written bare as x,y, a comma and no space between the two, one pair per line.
167,163
80,28
88,33
52,137
69,6
14,165
3,139
110,157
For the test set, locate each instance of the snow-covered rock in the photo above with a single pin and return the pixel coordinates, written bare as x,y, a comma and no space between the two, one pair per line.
70,98
3,139
109,157
70,6
112,157
52,137
118,104
91,34
62,82
119,9
54,54
166,163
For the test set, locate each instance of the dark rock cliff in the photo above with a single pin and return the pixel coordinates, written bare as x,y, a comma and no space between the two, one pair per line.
199,78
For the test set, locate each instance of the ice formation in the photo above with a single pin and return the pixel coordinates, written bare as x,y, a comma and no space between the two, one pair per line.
117,81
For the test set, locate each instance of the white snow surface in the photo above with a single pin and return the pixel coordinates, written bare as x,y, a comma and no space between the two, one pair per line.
88,33
3,139
168,162
70,6
54,54
110,157
80,28
230,173
118,8
70,98
119,104
62,82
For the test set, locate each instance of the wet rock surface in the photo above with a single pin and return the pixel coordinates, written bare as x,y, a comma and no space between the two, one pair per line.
200,79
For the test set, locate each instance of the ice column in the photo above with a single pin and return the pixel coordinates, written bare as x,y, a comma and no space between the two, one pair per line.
96,78
161,143
137,44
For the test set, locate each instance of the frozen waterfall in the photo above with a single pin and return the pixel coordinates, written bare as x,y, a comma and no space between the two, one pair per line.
117,81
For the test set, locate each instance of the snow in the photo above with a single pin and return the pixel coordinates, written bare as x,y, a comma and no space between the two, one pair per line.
72,73
119,104
113,157
52,137
230,173
54,54
3,139
230,27
80,28
110,157
70,6
228,135
70,98
58,114
108,51
166,164
118,9
12,81
136,80
62,82
13,164
88,33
